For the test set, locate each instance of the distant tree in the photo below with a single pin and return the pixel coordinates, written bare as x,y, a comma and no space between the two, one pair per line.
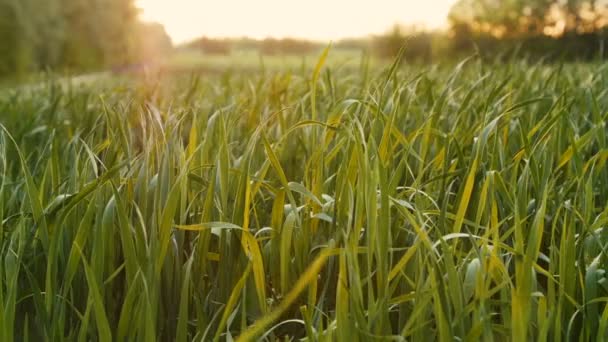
417,43
80,34
286,46
13,50
102,32
29,31
269,46
81,48
353,44
291,46
509,18
119,31
212,46
45,28
566,29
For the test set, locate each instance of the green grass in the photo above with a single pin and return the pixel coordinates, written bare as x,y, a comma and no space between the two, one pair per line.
321,203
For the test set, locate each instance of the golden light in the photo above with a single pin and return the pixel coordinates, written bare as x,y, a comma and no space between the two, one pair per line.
312,19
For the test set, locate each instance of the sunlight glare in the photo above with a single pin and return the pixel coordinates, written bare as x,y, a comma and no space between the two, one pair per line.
312,19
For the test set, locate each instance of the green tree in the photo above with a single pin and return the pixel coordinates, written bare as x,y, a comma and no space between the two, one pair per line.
524,17
15,49
417,43
77,34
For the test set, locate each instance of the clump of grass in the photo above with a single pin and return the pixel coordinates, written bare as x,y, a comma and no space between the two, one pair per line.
460,202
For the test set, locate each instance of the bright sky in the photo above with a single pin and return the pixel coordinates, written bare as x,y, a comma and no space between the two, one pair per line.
313,19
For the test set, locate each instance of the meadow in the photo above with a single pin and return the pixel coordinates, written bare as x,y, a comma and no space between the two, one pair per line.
320,202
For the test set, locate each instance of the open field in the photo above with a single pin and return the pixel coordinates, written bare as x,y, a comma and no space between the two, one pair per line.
188,59
325,203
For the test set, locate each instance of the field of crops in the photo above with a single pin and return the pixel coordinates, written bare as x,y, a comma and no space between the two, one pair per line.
328,203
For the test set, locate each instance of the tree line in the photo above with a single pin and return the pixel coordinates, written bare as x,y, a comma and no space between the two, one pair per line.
73,34
268,46
566,29
95,34
537,29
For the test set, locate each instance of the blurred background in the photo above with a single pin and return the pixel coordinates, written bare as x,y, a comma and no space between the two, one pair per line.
80,36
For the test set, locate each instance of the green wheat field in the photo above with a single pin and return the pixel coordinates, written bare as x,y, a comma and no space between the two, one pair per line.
320,202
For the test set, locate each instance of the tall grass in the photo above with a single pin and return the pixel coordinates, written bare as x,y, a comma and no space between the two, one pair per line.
464,202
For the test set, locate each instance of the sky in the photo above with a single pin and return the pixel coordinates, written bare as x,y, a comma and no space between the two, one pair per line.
313,19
